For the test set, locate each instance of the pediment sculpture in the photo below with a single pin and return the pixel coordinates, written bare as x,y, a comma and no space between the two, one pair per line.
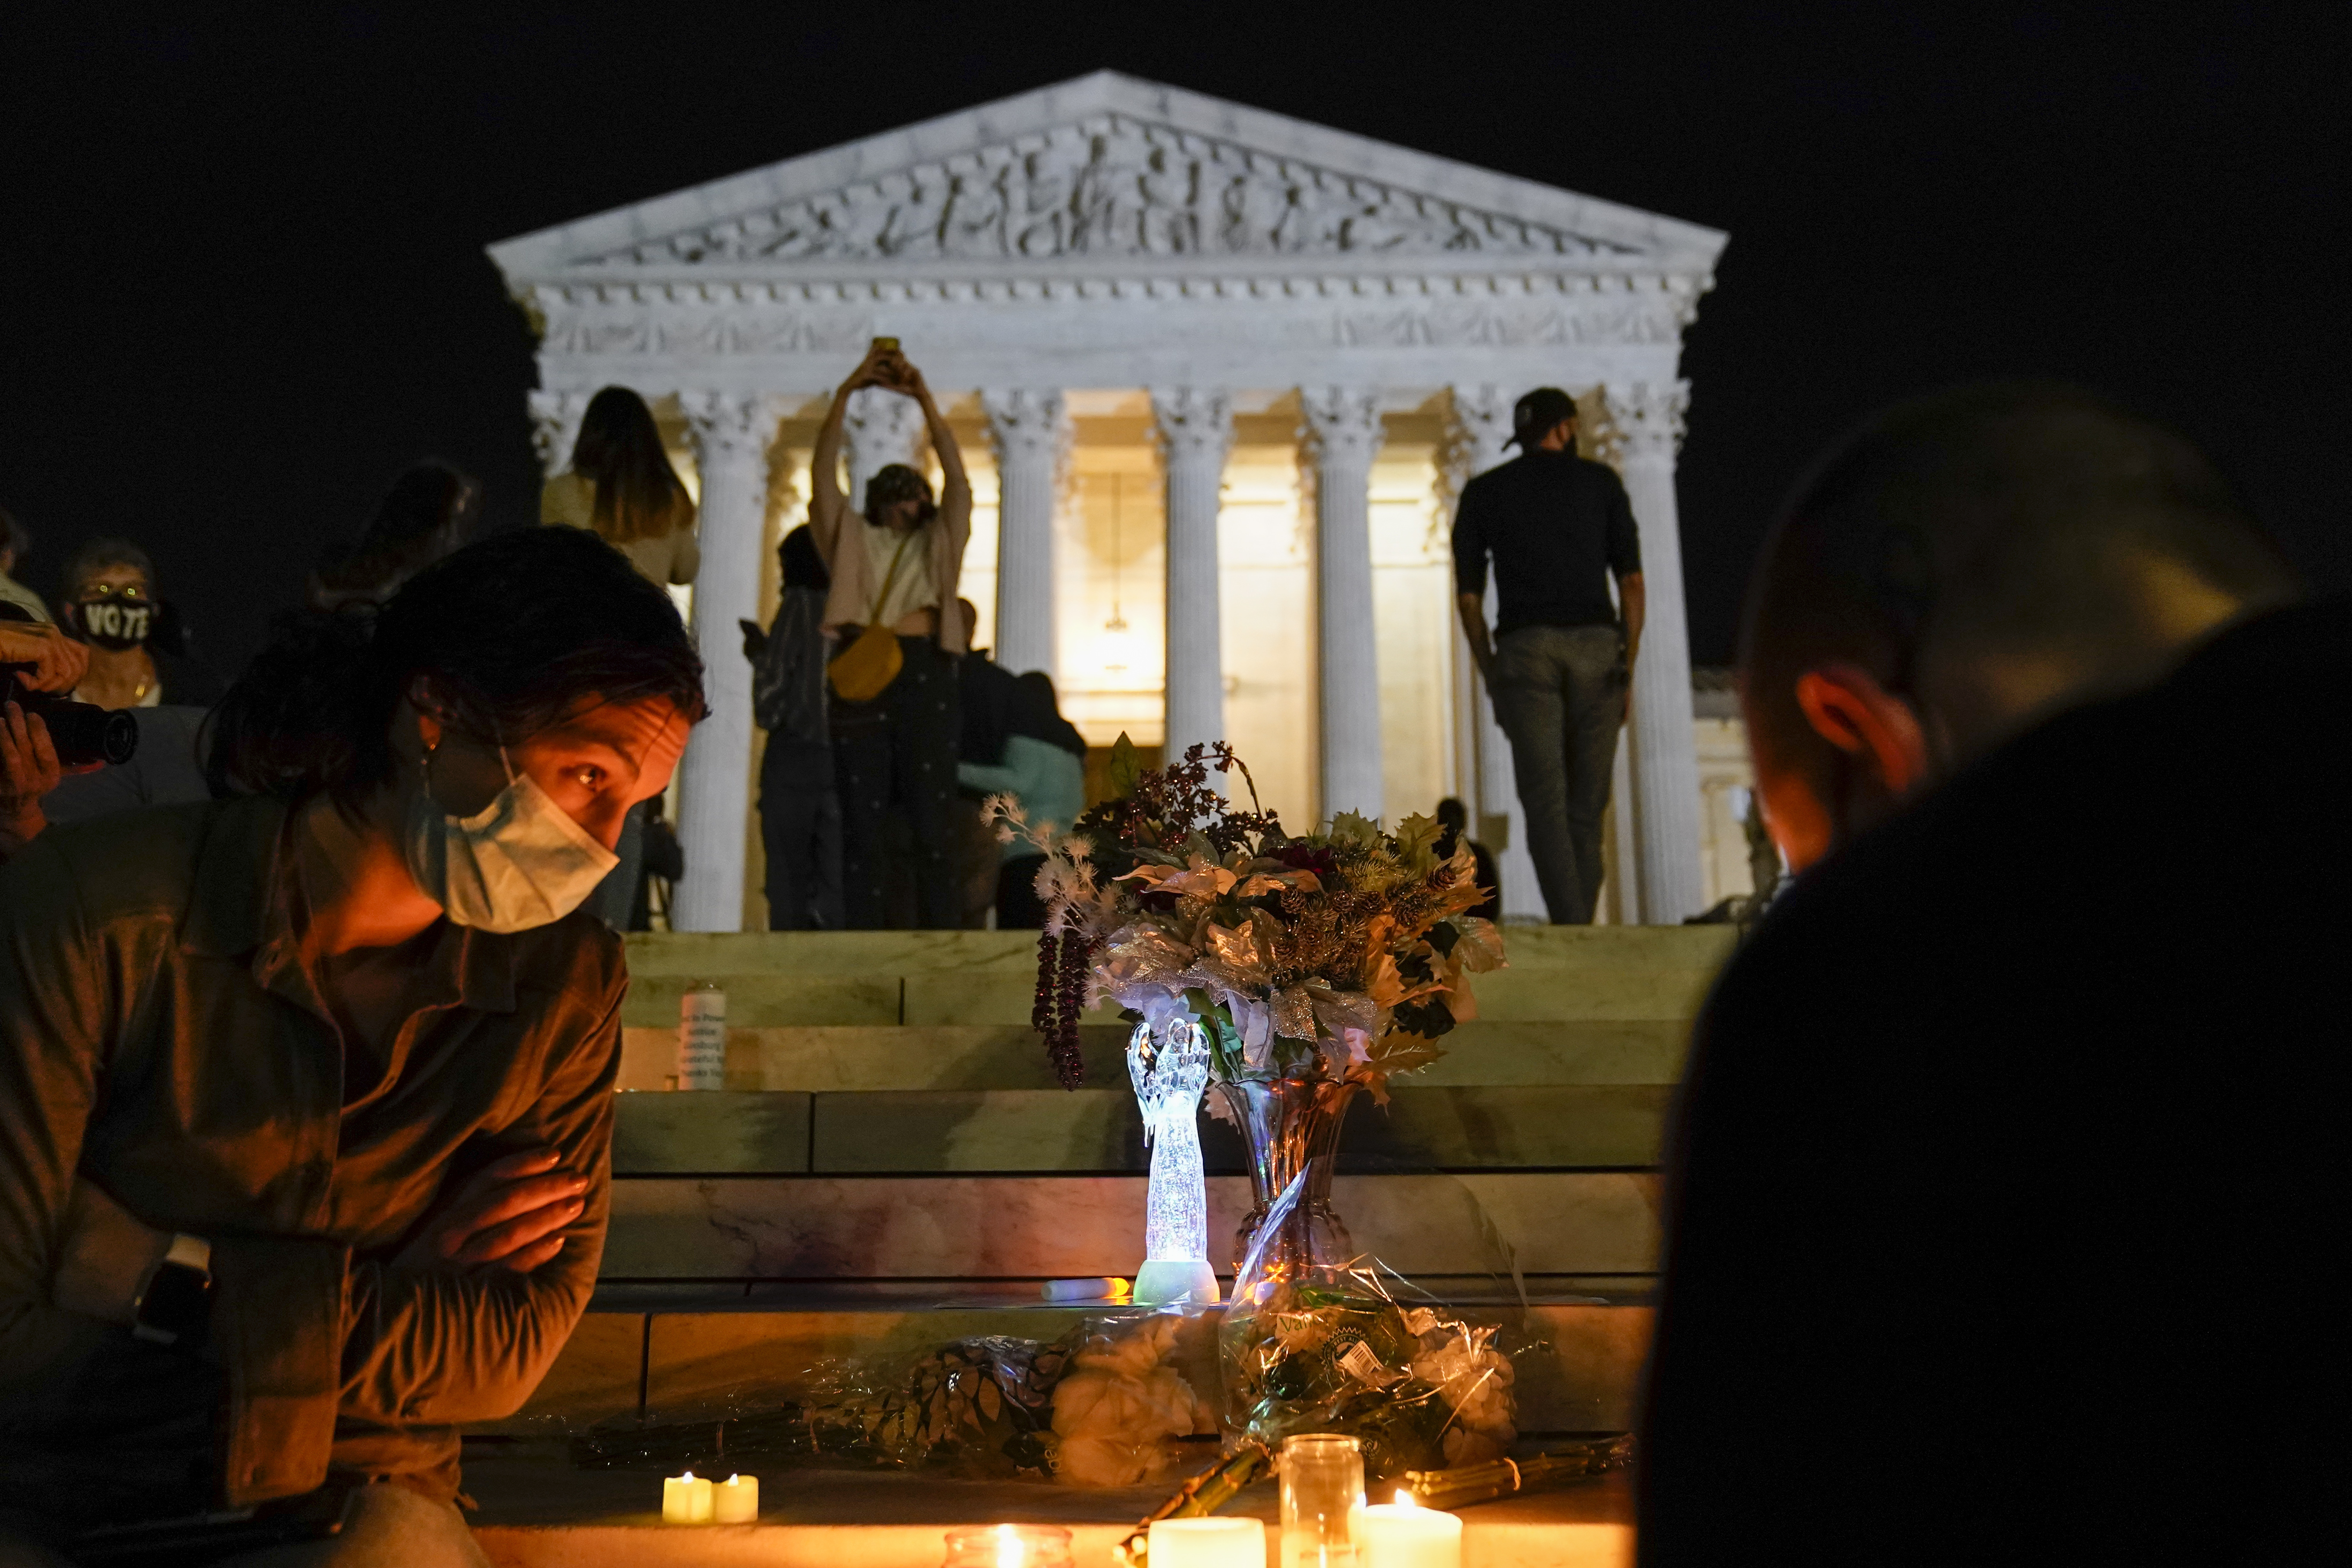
1110,185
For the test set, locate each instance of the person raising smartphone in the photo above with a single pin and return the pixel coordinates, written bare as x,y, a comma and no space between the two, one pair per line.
896,567
306,1093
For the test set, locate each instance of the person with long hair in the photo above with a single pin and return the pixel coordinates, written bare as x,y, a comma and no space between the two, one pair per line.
621,488
896,567
430,510
306,1092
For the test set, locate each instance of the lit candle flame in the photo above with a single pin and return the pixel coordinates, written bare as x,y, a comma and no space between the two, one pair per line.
734,1478
688,1477
1008,1547
1406,1500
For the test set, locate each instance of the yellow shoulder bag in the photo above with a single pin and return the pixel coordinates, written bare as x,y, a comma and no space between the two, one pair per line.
864,669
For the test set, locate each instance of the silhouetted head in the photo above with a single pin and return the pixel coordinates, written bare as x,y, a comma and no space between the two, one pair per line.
1959,568
428,511
898,497
620,451
1453,815
1544,420
803,567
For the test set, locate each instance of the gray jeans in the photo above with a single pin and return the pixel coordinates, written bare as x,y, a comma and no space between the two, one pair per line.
387,1527
1559,695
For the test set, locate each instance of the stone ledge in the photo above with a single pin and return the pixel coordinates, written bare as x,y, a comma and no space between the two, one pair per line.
538,1513
840,1058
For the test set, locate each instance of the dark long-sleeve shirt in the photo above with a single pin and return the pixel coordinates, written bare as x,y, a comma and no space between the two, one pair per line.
2009,1157
1556,525
160,1037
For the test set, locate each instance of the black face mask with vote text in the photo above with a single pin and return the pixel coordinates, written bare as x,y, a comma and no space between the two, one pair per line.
116,624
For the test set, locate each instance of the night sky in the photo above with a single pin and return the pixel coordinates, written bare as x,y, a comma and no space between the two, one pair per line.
245,281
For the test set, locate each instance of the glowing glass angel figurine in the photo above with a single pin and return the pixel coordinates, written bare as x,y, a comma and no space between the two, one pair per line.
1170,1067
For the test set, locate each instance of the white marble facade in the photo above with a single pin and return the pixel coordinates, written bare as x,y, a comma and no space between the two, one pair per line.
1260,354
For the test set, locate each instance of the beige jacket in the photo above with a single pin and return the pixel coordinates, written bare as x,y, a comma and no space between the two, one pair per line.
671,558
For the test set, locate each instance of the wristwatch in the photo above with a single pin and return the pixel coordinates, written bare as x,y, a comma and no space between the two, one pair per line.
176,1301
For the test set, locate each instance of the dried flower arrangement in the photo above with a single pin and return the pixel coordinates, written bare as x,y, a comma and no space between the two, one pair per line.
1342,956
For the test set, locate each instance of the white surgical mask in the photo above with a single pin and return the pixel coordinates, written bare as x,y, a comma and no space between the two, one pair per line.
518,862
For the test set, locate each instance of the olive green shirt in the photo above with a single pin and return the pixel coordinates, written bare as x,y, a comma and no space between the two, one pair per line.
159,1037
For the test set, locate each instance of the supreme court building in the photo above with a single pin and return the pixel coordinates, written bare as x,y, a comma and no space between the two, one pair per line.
1216,374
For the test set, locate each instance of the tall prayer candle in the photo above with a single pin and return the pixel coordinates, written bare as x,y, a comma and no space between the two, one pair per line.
686,1500
702,1037
736,1500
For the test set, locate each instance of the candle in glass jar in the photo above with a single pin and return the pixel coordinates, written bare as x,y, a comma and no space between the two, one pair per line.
1207,1543
1402,1534
736,1500
686,1500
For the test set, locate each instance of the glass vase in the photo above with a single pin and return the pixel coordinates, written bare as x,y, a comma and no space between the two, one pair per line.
1291,1125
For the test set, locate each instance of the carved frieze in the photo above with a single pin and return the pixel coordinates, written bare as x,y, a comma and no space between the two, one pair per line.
1110,185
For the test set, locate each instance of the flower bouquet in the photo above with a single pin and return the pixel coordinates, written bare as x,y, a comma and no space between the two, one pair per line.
1305,969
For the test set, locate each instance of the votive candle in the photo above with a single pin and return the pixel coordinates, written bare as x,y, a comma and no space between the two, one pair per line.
1208,1542
736,1500
686,1500
1402,1534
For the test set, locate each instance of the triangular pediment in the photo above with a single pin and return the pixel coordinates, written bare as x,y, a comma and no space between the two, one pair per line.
1104,168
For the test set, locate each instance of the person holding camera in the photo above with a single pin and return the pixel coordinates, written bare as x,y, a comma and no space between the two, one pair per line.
39,659
890,608
306,1092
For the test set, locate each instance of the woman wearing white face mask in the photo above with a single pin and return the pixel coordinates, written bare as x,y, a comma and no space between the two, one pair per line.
305,1094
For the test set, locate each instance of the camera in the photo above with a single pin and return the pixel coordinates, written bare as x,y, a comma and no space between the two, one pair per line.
82,733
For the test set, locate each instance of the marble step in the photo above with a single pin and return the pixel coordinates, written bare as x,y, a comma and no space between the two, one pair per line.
767,999
1040,1130
819,1058
1577,1365
960,1227
537,1512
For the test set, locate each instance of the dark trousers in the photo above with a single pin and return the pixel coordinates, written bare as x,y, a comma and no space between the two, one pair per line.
1559,695
800,826
897,754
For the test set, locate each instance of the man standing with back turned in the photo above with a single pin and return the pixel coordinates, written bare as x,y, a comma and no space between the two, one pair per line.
1559,665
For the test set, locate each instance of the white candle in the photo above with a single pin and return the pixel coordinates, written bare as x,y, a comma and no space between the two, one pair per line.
1208,1544
736,1500
686,1500
1400,1534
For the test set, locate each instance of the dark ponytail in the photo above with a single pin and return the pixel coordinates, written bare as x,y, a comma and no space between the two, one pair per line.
512,632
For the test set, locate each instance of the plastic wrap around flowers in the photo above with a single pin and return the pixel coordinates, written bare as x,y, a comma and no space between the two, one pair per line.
1333,1350
1340,955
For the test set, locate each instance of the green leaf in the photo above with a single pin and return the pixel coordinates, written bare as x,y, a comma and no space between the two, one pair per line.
1125,767
1354,827
1417,843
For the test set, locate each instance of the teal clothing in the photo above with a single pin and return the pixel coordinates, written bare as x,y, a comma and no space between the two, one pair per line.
1049,782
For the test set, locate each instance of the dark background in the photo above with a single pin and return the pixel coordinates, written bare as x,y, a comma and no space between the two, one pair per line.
244,280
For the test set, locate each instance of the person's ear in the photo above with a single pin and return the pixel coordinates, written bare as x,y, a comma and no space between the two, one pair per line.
1849,709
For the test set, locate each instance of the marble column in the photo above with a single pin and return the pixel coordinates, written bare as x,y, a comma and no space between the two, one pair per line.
1481,424
554,428
1646,424
731,432
1194,428
1341,433
1030,435
881,427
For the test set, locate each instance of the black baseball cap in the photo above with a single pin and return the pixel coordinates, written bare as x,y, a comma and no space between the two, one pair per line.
1537,413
